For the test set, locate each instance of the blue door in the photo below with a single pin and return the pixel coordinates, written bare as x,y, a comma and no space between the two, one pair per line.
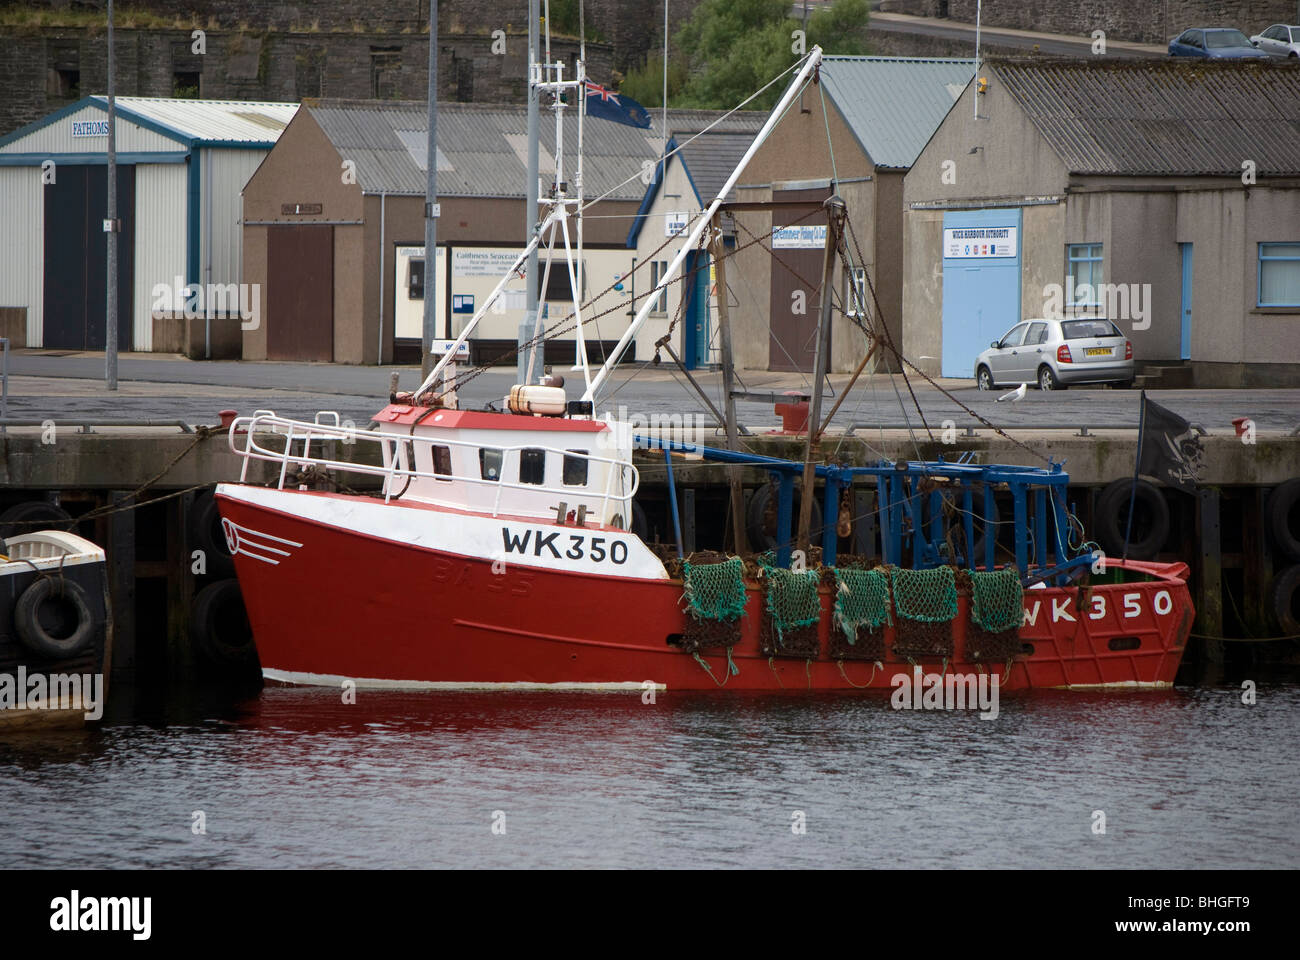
981,283
1186,352
695,311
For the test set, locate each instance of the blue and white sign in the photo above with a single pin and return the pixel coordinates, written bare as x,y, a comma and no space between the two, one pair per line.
799,238
675,224
90,128
979,243
462,303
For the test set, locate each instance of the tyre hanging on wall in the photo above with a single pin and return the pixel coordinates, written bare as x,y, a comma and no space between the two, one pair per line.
204,522
53,618
219,628
1150,519
760,518
32,516
1286,600
1283,517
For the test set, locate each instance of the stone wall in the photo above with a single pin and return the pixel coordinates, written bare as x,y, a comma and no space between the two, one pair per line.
1121,19
36,75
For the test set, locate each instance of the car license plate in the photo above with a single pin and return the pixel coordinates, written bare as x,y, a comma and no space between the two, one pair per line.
1097,352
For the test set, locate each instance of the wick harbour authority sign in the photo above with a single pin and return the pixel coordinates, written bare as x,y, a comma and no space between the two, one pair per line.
970,243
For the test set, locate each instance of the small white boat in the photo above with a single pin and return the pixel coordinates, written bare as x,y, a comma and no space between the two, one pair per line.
55,631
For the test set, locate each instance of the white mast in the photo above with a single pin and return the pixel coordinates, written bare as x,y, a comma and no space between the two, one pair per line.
814,59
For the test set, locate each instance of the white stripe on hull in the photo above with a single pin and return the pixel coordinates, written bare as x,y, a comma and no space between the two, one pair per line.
367,683
1119,685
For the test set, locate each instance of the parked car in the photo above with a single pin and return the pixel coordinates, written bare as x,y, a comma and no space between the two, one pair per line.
1056,353
1279,40
1218,43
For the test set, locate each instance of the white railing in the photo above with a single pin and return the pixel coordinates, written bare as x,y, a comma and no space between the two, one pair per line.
243,439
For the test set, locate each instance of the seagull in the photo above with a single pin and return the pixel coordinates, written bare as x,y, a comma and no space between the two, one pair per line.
1015,395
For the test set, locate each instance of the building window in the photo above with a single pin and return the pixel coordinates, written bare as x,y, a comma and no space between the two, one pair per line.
1083,277
532,466
63,78
186,85
558,288
855,293
1279,275
415,279
658,270
575,468
386,73
489,463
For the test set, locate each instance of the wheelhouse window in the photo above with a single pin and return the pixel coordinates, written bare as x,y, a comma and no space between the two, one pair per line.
441,462
489,463
1279,275
1083,276
575,468
532,466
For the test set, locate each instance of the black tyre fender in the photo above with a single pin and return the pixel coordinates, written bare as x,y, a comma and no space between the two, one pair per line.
32,516
1150,519
1283,513
205,531
759,538
33,629
1286,600
640,526
219,626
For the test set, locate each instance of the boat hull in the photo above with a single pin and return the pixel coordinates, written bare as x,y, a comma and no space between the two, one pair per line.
339,604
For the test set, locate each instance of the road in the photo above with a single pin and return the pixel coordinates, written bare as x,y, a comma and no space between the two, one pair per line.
71,386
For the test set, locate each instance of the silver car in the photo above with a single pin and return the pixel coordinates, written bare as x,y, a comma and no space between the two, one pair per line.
1056,353
1279,40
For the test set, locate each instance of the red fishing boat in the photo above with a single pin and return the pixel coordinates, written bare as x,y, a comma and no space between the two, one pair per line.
498,551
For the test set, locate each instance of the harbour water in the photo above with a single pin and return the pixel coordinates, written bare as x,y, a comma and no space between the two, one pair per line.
1190,778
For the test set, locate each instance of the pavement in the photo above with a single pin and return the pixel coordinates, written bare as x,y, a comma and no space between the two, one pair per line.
61,385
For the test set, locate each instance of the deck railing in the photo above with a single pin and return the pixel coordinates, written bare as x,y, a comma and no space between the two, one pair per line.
622,479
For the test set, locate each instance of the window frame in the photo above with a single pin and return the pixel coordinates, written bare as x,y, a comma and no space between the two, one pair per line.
658,268
532,463
580,458
855,292
1002,341
1096,274
1261,258
485,454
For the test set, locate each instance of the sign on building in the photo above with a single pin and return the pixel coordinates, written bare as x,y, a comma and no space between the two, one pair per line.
972,243
806,237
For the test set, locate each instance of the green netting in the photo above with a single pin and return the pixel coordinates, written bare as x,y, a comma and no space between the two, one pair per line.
861,600
997,599
792,599
715,591
929,596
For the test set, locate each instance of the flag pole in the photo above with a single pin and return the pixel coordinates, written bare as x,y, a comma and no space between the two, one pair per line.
1137,466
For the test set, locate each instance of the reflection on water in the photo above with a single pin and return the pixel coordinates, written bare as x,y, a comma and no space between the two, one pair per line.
295,778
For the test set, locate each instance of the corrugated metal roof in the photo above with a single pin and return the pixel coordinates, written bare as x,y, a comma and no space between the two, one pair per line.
479,147
1162,117
223,121
711,157
893,105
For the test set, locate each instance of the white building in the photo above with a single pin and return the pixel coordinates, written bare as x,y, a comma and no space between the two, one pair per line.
182,165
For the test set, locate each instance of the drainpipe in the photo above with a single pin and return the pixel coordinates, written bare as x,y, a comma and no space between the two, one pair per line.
383,244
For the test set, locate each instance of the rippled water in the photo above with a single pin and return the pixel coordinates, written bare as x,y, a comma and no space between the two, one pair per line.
294,778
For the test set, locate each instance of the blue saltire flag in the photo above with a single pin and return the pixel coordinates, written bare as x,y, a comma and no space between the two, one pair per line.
608,105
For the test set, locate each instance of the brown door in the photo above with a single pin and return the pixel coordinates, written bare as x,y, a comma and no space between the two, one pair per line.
300,292
796,282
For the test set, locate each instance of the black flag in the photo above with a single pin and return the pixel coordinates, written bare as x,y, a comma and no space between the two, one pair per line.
1169,448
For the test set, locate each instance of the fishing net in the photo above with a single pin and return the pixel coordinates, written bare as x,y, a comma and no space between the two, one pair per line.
715,600
926,604
996,614
861,612
792,612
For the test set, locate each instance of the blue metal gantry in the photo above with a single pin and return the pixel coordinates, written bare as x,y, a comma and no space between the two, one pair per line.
915,504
